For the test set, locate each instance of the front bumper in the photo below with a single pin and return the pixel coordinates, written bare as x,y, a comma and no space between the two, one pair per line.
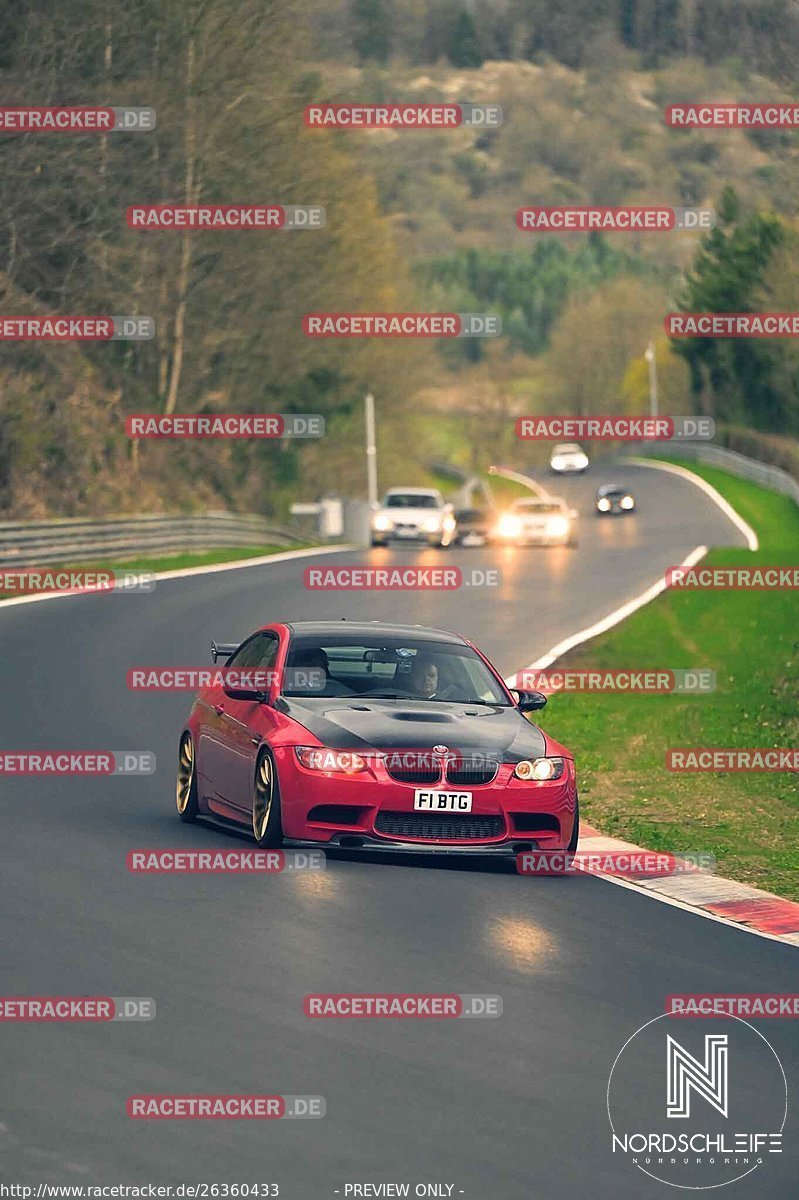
327,808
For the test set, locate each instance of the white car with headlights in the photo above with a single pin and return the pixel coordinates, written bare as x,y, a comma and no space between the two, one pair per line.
567,458
413,515
537,521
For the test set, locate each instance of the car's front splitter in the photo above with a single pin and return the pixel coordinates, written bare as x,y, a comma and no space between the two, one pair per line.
361,841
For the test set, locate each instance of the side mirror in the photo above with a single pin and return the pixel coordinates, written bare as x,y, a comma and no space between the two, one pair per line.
245,693
223,650
573,514
529,701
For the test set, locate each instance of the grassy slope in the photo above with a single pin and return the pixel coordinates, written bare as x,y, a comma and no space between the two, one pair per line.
751,639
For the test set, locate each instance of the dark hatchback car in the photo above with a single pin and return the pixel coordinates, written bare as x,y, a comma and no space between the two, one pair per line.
473,526
613,499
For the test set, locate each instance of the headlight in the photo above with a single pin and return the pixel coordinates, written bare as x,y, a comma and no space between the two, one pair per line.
581,460
627,502
509,526
603,505
556,464
319,758
557,526
540,768
381,522
431,524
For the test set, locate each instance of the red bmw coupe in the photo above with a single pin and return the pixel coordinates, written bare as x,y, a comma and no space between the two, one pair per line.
373,736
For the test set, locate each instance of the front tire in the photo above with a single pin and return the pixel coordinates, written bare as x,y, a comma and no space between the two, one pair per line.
267,828
186,798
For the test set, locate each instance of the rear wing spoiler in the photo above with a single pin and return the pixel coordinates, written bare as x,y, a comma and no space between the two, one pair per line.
223,649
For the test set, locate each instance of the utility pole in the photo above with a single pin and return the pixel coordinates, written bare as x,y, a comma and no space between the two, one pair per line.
649,355
371,448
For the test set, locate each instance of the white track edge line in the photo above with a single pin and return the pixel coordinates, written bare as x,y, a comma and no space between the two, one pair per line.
613,619
610,620
740,524
237,564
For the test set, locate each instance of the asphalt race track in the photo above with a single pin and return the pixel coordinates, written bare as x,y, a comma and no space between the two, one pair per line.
506,1109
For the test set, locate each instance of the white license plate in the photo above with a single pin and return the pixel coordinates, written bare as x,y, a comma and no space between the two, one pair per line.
405,532
442,801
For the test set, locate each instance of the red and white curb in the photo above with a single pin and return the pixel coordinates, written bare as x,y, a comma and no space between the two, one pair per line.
699,891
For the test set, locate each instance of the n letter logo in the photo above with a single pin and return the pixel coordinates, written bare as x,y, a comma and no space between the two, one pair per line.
708,1079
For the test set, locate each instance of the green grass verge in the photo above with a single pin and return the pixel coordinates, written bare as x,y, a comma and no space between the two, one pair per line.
505,490
170,562
750,822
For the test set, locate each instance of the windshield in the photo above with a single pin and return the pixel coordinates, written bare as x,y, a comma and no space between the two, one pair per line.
390,668
536,506
403,500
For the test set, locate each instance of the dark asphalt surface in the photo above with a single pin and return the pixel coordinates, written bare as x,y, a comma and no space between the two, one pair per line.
511,1108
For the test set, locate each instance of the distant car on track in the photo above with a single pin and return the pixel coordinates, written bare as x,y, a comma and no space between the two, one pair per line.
536,520
381,737
413,514
613,499
473,526
567,458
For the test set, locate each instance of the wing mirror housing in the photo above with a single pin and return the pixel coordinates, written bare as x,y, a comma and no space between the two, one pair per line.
245,693
223,650
529,701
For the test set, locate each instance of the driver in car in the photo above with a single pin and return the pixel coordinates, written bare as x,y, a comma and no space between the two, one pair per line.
423,678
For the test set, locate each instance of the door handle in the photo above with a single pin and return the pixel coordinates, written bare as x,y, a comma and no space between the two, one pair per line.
219,709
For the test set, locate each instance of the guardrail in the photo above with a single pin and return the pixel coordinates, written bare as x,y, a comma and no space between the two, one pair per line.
78,539
772,478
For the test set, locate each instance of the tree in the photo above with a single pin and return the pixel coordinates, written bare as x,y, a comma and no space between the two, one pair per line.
464,49
371,30
732,379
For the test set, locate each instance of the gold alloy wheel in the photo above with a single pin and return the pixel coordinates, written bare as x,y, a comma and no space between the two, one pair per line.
185,773
262,800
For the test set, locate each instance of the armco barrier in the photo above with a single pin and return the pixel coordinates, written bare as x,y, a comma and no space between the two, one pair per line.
78,539
772,478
